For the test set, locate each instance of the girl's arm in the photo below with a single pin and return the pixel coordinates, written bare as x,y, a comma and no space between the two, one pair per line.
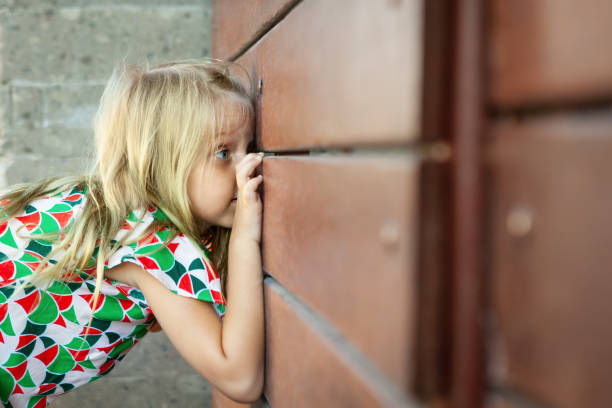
229,354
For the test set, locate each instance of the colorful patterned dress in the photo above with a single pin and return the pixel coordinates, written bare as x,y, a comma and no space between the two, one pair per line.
42,353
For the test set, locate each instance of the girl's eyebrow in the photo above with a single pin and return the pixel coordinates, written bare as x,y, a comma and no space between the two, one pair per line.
225,140
230,140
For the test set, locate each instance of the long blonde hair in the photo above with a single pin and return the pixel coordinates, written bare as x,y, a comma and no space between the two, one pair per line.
151,127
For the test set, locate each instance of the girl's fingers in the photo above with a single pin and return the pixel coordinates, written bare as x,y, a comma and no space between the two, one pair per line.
253,183
250,160
250,188
251,164
246,167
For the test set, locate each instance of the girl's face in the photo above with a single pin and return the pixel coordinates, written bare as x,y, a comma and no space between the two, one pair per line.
212,198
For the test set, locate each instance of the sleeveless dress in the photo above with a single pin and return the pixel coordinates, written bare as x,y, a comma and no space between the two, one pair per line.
44,351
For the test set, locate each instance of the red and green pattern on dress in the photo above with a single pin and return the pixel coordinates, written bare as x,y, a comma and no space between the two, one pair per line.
45,349
36,221
46,312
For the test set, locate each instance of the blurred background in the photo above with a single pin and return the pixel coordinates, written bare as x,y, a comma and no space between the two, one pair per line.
54,61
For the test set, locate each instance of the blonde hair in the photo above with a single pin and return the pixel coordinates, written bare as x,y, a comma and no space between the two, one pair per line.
151,126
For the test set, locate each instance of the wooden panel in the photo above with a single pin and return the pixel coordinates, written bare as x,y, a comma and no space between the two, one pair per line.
249,62
236,23
335,75
550,51
305,370
551,232
340,234
497,400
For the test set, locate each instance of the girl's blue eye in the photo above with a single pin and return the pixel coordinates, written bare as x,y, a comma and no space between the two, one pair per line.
221,151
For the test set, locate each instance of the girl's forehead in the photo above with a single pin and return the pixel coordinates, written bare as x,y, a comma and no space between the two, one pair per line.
235,119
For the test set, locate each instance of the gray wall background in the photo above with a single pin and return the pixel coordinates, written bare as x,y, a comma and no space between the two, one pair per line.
54,59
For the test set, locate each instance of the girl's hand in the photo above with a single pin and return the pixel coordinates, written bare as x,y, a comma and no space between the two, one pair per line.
247,218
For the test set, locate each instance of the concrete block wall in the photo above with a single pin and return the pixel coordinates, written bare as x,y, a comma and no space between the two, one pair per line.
54,62
54,59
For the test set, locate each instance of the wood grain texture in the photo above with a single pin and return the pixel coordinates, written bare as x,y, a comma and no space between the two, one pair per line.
236,23
303,369
549,52
549,258
248,62
340,234
342,76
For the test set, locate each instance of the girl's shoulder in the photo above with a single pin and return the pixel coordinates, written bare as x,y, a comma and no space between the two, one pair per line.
139,221
180,263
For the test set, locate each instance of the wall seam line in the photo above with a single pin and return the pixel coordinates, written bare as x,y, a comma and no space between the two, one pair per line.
265,28
348,354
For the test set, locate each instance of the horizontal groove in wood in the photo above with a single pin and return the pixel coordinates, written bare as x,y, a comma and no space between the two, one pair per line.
549,214
549,52
340,233
306,369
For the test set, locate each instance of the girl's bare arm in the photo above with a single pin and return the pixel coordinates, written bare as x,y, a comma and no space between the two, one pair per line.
228,353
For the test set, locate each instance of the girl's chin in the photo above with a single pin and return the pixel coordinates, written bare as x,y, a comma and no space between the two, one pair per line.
229,221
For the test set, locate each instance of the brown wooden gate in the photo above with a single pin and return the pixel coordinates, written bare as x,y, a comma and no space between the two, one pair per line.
435,205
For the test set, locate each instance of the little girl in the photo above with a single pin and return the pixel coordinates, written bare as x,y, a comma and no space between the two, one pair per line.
164,232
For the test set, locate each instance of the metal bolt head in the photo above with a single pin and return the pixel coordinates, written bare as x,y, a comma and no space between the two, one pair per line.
389,233
519,221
